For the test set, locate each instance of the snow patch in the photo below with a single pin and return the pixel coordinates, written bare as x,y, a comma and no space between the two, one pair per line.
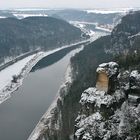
15,69
20,16
103,29
110,68
135,74
2,17
108,11
81,25
91,33
138,34
98,98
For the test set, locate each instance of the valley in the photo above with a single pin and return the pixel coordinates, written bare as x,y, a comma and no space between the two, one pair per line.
62,69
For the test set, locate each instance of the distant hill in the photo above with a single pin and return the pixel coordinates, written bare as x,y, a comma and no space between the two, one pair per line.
21,36
81,15
98,16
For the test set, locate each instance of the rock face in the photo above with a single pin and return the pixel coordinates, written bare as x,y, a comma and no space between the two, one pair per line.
102,81
106,73
107,111
135,81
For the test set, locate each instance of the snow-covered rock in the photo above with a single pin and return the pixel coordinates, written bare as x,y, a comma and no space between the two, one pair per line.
110,68
135,74
135,80
98,98
107,116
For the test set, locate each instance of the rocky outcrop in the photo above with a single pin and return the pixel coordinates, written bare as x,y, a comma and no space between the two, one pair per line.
106,74
111,110
135,81
105,116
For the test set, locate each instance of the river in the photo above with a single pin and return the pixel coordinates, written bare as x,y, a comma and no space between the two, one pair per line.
20,114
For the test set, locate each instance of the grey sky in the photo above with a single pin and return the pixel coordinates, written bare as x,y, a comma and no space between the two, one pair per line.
69,3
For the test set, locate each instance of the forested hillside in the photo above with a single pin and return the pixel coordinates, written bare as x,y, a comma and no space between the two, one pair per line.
125,41
21,36
113,115
84,65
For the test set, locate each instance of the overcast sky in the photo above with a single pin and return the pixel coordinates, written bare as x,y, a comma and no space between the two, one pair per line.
69,3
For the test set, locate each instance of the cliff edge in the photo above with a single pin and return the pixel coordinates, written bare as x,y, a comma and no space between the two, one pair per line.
111,110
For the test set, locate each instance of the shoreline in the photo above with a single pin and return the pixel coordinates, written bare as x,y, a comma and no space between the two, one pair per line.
5,93
41,126
48,115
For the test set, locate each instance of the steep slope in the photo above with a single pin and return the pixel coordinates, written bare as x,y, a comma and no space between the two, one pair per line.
29,34
85,63
125,41
110,115
115,115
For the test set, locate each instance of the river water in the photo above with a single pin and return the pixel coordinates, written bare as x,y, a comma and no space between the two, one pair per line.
20,114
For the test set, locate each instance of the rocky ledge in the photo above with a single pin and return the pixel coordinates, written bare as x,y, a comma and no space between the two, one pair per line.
107,110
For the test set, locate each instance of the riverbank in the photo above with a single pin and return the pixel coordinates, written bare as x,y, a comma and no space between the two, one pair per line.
28,104
19,69
45,123
8,87
13,60
46,120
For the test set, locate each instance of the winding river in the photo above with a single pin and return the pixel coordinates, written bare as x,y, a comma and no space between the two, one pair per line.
20,114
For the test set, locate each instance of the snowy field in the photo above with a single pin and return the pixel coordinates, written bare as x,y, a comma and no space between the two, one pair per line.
103,29
82,26
21,16
15,69
109,11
